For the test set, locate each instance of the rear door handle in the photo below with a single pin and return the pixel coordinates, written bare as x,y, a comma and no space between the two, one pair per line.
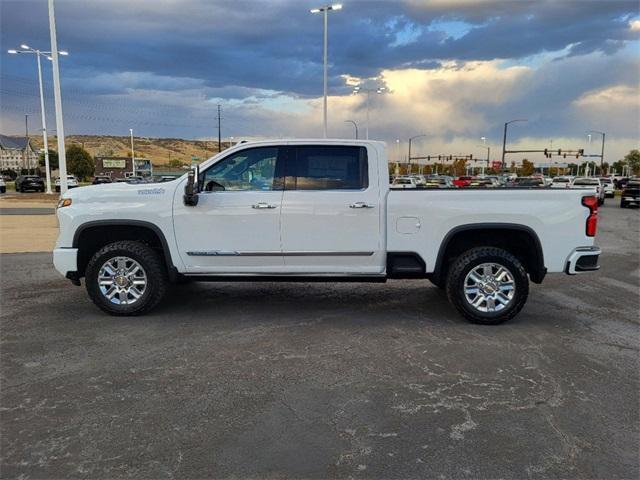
262,205
361,205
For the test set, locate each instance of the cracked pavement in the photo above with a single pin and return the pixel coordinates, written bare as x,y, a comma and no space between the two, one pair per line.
286,380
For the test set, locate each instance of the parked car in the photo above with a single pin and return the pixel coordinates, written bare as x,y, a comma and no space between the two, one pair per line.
631,193
3,186
98,179
334,218
438,182
529,182
72,182
561,182
482,182
401,183
608,186
31,183
462,181
590,182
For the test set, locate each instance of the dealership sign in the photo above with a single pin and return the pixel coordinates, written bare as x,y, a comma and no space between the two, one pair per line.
114,163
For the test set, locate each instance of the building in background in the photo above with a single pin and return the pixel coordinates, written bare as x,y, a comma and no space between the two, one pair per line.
121,167
16,153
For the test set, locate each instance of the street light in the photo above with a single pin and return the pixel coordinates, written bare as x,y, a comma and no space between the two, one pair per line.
602,151
504,137
379,90
484,145
133,158
57,96
355,125
410,140
28,50
325,10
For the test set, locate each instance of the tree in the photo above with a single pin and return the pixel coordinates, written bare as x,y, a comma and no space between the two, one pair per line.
527,168
79,162
53,160
633,160
459,167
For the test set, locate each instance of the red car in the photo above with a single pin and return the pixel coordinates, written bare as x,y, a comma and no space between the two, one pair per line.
462,181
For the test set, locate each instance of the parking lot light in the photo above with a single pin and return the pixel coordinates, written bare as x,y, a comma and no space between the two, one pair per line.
325,10
26,49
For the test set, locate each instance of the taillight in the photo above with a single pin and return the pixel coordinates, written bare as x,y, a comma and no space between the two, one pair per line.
592,220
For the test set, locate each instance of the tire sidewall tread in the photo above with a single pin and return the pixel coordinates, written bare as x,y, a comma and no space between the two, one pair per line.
472,258
153,265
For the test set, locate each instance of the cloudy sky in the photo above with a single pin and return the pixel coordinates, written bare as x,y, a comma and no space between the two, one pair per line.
455,70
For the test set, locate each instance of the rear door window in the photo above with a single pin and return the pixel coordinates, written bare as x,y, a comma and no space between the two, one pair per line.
328,167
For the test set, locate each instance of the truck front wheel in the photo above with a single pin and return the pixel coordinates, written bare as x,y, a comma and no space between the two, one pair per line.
126,278
487,285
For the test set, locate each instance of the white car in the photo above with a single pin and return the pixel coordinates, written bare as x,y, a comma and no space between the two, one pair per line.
72,182
561,182
248,212
590,182
401,183
608,186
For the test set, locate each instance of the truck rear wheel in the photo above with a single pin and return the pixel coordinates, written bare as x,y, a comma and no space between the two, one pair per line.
126,278
487,285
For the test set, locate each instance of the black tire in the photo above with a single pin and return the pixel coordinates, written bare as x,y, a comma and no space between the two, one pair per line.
17,189
151,262
623,204
3,189
471,259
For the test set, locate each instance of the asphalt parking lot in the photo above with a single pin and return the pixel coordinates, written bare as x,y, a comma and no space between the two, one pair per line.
347,380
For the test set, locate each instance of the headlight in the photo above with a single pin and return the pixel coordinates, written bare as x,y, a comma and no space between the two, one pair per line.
64,202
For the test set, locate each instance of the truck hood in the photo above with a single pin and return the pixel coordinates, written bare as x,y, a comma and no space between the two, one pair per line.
122,192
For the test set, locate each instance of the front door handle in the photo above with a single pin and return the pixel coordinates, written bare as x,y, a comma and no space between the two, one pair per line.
262,205
361,205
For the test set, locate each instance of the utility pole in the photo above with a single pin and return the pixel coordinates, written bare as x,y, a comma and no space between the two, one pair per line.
219,131
62,159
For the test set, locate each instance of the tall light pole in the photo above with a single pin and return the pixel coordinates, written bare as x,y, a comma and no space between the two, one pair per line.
26,49
504,138
57,96
368,91
602,151
325,11
133,157
410,140
484,145
355,125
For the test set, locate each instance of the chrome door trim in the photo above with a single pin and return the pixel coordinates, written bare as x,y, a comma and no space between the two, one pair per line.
221,253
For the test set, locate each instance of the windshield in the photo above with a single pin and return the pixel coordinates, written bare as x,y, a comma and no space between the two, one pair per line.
585,181
560,180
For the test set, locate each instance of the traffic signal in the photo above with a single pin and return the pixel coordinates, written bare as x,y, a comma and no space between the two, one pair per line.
580,153
471,157
546,153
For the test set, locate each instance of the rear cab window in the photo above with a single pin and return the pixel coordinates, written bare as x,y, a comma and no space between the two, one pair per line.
327,167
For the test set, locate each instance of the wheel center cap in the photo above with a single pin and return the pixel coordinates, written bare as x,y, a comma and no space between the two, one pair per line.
121,281
490,287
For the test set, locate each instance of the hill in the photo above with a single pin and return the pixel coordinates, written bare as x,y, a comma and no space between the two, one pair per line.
160,150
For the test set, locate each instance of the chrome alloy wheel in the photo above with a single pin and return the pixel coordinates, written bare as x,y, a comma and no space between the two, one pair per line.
489,287
122,280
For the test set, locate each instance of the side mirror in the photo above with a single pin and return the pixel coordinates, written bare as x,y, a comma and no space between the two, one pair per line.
190,197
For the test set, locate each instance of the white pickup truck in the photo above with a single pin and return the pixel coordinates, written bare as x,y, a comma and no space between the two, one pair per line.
309,210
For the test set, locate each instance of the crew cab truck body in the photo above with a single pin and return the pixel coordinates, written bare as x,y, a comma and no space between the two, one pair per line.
319,210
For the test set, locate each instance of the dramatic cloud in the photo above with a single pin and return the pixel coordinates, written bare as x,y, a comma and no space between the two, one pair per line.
455,69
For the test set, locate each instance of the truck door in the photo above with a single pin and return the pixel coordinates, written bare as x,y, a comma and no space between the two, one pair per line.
332,211
235,228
